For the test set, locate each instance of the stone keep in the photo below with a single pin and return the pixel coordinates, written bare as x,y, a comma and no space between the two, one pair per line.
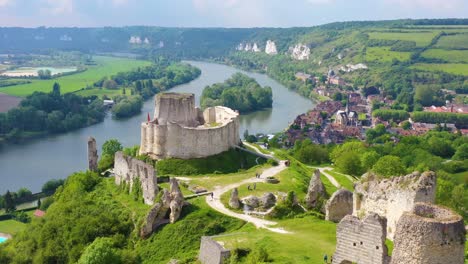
211,252
361,242
339,205
92,154
391,197
180,130
127,169
429,234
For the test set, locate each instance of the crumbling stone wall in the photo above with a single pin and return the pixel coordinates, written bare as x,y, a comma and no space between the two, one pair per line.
211,252
361,242
92,154
180,130
339,205
429,234
167,210
127,169
391,197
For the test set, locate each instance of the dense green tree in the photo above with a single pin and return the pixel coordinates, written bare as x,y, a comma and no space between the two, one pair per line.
50,186
368,159
461,153
111,146
388,166
101,251
10,204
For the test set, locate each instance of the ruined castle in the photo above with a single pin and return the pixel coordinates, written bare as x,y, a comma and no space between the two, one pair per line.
181,130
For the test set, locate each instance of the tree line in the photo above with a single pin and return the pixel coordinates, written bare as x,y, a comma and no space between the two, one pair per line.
239,92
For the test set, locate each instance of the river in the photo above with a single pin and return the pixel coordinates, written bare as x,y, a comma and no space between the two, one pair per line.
33,163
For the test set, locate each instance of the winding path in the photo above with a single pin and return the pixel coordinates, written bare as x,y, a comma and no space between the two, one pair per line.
217,205
329,177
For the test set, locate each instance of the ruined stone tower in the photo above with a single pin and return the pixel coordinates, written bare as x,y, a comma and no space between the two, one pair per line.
429,234
181,130
92,154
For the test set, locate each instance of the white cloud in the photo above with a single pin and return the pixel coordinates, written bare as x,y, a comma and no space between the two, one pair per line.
4,3
429,4
58,7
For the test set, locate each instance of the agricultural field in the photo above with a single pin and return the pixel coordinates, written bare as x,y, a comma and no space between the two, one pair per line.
384,54
453,68
421,38
459,41
447,55
106,66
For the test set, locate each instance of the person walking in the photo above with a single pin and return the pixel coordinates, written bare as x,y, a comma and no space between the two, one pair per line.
255,185
212,196
248,187
325,258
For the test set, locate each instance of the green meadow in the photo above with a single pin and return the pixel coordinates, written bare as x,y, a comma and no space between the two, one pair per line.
447,55
421,38
106,66
384,54
459,41
453,68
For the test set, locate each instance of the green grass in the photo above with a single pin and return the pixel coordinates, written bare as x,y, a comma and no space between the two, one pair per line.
11,226
341,179
226,162
106,66
453,68
447,55
421,38
384,54
310,239
459,41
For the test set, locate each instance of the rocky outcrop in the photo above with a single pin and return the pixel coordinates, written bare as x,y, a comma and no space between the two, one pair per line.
234,200
429,234
92,155
128,169
255,48
270,48
300,52
361,242
339,205
171,201
268,200
391,197
315,191
251,201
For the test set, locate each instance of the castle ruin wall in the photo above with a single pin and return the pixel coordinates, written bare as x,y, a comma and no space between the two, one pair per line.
361,242
211,252
127,169
429,234
339,205
391,197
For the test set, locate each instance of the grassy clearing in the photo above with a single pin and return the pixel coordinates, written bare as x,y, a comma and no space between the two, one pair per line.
447,55
459,41
226,162
11,226
341,179
421,38
453,68
310,240
106,66
384,54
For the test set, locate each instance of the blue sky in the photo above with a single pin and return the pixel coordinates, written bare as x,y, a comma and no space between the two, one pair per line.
218,13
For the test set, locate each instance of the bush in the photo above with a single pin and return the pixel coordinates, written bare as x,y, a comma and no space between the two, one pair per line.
50,186
46,203
272,162
258,255
22,217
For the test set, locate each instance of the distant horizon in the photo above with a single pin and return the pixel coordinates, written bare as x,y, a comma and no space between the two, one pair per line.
252,27
218,13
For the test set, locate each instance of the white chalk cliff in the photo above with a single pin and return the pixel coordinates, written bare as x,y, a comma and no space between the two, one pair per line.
270,48
255,48
300,52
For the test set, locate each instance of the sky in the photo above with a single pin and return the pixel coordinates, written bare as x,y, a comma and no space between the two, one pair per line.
218,13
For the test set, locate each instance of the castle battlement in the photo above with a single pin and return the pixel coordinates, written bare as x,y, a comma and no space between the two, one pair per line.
181,130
